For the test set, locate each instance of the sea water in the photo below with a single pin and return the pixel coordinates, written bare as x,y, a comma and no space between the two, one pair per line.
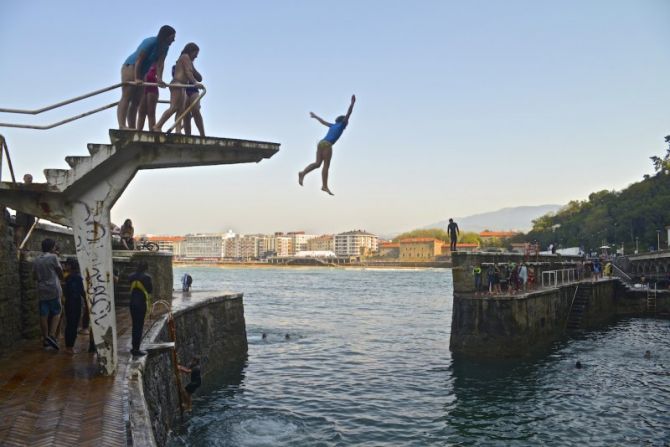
367,362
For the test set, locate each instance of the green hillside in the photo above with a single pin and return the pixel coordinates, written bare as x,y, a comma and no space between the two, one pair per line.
612,217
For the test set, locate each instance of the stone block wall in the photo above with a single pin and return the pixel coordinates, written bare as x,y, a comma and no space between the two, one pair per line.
508,326
10,292
212,328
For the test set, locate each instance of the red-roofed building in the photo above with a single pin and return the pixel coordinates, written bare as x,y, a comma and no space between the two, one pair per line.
420,249
389,249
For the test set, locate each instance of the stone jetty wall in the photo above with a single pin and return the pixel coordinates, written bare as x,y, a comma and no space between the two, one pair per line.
211,327
10,292
518,325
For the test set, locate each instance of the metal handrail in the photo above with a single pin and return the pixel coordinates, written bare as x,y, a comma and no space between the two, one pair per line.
99,109
620,273
572,303
4,148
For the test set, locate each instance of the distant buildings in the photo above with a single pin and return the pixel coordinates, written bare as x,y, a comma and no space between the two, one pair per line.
350,244
238,247
355,243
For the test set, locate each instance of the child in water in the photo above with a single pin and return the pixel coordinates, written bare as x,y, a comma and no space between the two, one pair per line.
194,384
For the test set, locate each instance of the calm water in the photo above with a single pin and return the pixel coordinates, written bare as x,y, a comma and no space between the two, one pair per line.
367,362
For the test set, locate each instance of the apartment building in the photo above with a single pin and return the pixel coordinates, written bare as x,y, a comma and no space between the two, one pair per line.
203,245
324,242
355,243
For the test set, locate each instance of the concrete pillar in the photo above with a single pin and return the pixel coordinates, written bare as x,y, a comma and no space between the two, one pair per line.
93,243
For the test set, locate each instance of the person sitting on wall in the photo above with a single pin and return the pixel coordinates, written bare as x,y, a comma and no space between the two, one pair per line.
128,235
194,384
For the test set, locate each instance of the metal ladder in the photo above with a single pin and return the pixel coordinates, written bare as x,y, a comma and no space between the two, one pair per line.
651,299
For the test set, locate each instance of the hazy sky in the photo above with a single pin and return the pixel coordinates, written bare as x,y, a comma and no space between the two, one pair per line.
463,106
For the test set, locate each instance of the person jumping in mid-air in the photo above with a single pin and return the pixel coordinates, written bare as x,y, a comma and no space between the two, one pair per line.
324,150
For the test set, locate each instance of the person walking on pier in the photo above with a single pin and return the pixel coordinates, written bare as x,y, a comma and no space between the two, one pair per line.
48,274
324,150
140,288
151,51
452,231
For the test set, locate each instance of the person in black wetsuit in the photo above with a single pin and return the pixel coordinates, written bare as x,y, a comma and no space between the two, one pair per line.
196,380
140,288
452,231
74,295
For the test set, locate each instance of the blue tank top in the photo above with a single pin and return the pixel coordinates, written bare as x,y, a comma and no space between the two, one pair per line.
335,132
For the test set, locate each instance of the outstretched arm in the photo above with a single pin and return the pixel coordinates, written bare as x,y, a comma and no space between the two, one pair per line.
351,108
314,115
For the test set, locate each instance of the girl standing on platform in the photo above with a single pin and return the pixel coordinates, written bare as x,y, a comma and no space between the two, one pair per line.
184,74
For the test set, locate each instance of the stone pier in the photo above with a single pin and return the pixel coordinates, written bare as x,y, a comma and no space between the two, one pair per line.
517,325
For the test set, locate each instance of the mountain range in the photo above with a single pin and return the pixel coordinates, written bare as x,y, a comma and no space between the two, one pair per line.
519,218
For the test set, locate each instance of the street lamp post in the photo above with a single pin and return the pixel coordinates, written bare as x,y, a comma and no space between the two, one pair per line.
636,245
658,240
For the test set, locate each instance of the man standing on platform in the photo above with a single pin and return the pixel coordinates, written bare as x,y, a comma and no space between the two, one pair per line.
452,231
48,274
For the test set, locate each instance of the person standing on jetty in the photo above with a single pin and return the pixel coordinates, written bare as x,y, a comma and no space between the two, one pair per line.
324,150
151,51
140,288
452,231
48,274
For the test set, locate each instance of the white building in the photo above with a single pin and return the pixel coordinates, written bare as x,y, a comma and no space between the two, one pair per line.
355,243
280,245
202,246
299,241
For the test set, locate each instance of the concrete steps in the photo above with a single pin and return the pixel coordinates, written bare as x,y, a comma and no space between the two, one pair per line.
80,166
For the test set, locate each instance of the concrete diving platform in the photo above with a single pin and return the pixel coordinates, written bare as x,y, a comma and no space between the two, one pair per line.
81,198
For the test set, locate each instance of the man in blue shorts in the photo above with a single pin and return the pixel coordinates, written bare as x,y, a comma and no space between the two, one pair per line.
48,274
324,150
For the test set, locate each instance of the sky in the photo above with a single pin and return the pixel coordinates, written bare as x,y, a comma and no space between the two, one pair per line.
463,107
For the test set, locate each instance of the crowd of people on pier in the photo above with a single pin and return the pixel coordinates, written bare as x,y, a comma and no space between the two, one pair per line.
503,277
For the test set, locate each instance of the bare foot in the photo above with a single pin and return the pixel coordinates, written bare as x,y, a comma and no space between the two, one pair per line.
301,176
70,351
126,128
325,188
155,129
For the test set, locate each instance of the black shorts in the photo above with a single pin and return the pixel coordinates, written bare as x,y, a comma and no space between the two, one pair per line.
191,387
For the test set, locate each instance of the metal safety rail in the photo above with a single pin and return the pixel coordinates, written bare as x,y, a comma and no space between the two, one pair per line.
552,278
99,109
